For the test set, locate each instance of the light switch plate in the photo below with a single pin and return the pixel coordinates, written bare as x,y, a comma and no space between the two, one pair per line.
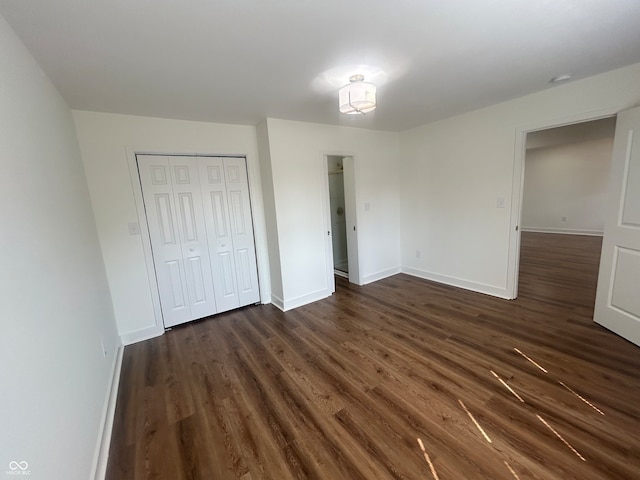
500,202
134,228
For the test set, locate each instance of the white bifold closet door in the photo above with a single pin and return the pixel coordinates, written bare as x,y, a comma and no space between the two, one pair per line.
201,231
225,193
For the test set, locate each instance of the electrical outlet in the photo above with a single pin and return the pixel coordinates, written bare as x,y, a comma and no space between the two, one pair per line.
418,254
564,219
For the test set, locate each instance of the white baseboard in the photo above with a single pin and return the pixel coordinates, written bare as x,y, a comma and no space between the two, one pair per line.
374,277
140,335
458,282
340,273
277,301
290,304
101,457
564,231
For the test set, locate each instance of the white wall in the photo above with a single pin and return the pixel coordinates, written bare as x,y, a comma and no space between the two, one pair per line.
565,187
55,307
107,142
299,183
454,171
268,195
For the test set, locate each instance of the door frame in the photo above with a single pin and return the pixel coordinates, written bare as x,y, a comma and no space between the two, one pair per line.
513,261
134,174
351,202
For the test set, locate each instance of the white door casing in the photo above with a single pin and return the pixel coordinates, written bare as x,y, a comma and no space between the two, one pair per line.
171,192
326,223
618,295
513,267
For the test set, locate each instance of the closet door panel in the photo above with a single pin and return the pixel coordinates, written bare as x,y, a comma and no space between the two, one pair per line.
155,179
193,236
175,276
237,184
201,229
216,214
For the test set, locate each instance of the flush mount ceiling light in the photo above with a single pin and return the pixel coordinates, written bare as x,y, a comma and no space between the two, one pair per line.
357,97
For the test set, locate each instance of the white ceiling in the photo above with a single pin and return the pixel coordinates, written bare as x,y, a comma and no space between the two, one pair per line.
239,61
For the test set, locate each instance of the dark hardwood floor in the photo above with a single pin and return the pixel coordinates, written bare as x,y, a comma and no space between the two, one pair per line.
399,379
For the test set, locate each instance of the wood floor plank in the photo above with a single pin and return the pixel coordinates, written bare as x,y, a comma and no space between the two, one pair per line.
399,379
153,445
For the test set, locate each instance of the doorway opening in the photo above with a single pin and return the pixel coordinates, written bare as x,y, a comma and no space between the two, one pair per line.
340,218
337,207
564,191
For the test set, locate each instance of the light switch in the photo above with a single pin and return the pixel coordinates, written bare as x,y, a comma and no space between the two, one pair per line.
134,228
367,207
500,202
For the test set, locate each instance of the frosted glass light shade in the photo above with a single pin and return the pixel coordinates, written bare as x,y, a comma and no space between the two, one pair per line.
357,97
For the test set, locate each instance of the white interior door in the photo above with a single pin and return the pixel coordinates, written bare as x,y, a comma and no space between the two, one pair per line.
216,207
618,296
173,203
244,252
225,190
351,219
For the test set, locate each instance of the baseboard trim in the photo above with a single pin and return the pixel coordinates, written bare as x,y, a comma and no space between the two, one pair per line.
305,299
564,231
140,335
340,273
285,305
374,277
102,450
458,282
277,302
